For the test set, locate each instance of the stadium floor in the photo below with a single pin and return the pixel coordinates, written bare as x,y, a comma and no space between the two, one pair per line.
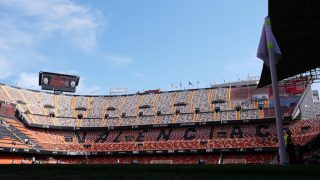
159,172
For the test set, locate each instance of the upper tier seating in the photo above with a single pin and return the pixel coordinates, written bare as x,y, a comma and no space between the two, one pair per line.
188,106
201,100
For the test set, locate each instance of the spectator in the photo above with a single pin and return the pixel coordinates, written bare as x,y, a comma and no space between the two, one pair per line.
289,146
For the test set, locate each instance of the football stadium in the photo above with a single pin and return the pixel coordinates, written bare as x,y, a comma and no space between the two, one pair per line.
225,124
266,125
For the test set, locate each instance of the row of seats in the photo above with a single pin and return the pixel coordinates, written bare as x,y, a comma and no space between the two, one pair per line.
173,159
22,133
220,137
304,131
145,120
10,137
163,108
250,159
154,139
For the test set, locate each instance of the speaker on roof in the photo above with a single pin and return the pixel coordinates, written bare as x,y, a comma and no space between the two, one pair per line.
26,111
51,114
238,108
261,106
106,116
177,111
217,109
123,114
197,110
158,113
140,114
80,116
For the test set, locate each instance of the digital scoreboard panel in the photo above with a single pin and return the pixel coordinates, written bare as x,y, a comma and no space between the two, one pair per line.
58,82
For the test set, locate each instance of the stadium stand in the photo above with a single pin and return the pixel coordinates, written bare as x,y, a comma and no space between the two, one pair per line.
200,105
153,139
304,130
226,121
249,159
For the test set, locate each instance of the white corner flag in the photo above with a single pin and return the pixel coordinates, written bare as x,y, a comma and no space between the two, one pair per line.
268,41
270,53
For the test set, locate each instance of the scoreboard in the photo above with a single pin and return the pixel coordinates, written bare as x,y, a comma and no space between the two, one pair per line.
58,82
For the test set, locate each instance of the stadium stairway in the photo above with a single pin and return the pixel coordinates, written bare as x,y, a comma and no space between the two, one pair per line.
103,122
210,96
18,130
8,138
89,103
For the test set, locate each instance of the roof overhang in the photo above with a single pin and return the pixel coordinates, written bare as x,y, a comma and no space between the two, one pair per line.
296,27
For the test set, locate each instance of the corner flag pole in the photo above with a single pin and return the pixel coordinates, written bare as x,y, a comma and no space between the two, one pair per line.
274,78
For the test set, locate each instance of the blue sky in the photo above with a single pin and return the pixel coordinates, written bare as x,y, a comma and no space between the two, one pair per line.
139,45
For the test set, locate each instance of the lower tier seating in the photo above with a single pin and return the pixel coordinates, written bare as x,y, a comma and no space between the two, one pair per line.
209,137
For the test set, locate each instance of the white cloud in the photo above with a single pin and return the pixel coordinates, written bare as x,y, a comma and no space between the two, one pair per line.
26,24
76,23
28,80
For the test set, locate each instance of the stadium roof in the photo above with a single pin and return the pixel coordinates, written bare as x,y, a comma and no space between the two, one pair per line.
296,26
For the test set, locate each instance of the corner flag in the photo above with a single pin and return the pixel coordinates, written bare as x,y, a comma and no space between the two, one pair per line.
270,53
268,41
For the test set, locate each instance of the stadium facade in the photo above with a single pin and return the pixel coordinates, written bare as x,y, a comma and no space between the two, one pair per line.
226,123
